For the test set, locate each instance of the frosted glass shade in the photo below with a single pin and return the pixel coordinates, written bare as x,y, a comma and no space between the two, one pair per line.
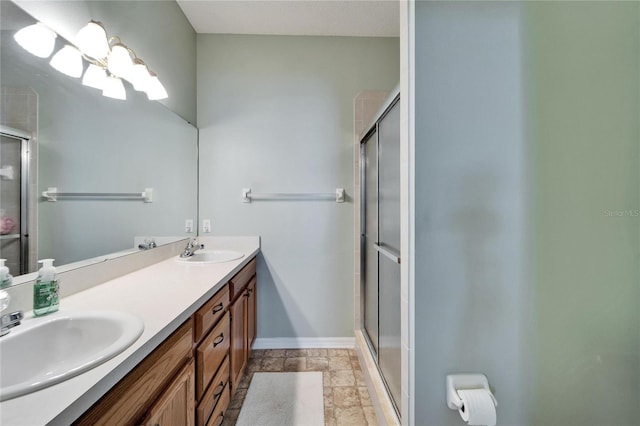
155,89
92,40
36,39
95,77
68,61
140,77
113,88
119,61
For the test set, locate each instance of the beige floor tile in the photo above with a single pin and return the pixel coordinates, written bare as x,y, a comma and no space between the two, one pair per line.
359,378
274,353
370,415
257,353
339,363
230,417
351,416
317,363
246,380
342,378
346,396
365,399
329,417
272,364
327,393
355,365
254,364
295,364
238,399
296,352
338,352
317,352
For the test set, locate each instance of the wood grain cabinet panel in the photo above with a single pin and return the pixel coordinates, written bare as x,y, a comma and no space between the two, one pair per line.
211,312
176,405
127,402
241,279
213,394
217,417
210,354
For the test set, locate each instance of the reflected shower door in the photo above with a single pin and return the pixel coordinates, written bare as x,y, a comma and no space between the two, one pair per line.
13,210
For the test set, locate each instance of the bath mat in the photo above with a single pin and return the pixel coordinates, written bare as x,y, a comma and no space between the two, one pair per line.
283,399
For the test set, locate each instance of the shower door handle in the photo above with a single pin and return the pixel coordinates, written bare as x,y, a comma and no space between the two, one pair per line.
387,253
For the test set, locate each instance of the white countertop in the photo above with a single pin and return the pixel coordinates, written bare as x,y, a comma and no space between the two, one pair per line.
163,295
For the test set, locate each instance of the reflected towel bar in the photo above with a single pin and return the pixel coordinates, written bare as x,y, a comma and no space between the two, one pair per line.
337,196
52,194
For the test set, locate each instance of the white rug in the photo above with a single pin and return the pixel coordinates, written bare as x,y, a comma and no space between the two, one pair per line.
283,399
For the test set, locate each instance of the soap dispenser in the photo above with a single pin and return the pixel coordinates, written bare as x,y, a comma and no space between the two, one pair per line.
5,276
45,290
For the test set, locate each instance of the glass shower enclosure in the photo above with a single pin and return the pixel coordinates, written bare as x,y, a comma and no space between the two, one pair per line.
14,185
380,245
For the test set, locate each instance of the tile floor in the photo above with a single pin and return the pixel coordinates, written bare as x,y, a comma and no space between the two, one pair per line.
346,399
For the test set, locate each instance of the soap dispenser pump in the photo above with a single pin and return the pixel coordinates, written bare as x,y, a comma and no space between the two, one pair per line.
46,289
5,276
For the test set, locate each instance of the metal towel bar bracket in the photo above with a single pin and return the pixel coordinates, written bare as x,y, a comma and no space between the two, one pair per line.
52,194
338,196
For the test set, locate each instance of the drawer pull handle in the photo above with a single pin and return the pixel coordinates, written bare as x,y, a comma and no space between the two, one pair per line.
220,419
217,308
218,391
218,340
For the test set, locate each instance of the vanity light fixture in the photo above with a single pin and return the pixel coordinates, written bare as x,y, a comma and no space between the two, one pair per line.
95,76
92,40
110,60
113,88
36,39
155,89
68,61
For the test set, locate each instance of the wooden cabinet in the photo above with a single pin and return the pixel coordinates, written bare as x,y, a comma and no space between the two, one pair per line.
189,378
252,308
176,406
243,320
128,401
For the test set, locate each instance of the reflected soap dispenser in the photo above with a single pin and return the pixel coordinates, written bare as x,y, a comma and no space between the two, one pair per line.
5,276
45,290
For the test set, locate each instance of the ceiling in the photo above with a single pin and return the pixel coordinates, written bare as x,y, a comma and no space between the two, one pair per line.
363,18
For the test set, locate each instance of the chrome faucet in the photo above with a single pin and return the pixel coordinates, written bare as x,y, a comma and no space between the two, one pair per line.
10,320
191,248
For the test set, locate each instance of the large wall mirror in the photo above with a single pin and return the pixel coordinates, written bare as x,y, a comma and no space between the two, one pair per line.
83,142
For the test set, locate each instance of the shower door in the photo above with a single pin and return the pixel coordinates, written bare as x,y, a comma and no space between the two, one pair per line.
14,161
380,245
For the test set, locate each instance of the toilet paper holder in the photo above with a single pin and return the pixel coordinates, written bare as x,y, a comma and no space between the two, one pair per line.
457,382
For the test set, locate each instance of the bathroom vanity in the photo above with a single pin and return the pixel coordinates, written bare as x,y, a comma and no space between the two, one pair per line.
200,324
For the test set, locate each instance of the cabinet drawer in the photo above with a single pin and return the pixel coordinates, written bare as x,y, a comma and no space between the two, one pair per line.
210,354
213,393
242,278
217,417
210,313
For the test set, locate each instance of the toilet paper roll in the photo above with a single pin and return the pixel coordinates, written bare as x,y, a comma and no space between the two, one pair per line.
477,407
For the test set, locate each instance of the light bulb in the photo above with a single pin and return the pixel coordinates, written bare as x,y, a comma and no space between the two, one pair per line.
155,89
37,40
119,61
92,40
140,76
95,77
113,88
68,61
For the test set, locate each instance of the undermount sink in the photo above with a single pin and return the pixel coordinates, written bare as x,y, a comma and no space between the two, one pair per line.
45,351
212,256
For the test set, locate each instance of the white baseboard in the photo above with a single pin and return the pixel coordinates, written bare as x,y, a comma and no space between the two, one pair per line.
303,342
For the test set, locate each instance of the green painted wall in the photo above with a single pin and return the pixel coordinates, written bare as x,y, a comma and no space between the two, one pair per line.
584,87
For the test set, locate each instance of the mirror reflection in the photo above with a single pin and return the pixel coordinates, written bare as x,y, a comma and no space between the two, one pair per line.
58,133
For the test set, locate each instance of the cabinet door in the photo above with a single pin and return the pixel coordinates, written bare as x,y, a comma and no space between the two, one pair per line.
176,405
238,340
251,315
